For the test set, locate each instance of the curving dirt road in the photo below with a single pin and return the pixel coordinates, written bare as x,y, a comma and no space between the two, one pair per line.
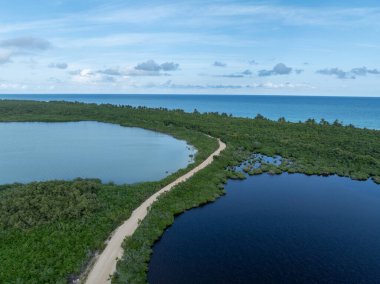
105,264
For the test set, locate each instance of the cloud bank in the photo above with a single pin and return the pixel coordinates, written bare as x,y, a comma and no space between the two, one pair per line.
267,85
278,69
245,73
219,64
351,74
152,66
26,43
61,65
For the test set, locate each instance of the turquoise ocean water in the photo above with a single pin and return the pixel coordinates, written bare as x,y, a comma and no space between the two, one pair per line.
361,112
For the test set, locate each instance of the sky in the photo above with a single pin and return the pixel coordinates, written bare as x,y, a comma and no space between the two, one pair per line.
293,47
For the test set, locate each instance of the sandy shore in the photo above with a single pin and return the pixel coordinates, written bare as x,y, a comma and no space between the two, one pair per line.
105,264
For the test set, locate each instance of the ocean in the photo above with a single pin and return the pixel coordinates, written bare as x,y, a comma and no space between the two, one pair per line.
362,112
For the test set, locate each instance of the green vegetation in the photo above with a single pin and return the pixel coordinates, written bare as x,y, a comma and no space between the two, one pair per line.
36,204
49,229
310,148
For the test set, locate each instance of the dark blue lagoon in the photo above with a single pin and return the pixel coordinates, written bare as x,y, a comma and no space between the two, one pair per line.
276,229
359,111
46,151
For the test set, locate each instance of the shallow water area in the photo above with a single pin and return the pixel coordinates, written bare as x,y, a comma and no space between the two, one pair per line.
34,151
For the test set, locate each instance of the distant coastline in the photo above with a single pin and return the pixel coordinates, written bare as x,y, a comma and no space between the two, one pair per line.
362,112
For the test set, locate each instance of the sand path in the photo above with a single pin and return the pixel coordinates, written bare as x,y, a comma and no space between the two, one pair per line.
105,264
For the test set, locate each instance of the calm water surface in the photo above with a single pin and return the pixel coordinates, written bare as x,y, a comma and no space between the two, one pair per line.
359,111
46,151
276,229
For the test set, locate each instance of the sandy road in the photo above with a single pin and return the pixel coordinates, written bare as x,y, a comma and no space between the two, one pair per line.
105,264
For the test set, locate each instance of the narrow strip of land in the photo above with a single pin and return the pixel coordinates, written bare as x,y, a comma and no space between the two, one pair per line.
105,264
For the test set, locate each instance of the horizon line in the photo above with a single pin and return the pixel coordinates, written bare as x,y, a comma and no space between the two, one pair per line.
162,94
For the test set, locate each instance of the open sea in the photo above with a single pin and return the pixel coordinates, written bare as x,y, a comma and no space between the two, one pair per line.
361,112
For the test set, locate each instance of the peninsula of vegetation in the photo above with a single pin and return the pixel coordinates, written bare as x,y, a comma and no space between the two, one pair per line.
50,231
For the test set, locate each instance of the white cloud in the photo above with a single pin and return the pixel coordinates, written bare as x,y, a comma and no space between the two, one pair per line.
109,75
88,76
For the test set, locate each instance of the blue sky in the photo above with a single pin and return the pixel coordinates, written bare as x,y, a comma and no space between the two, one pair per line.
193,47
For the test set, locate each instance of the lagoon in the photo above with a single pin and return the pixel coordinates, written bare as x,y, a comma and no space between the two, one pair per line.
35,151
276,229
